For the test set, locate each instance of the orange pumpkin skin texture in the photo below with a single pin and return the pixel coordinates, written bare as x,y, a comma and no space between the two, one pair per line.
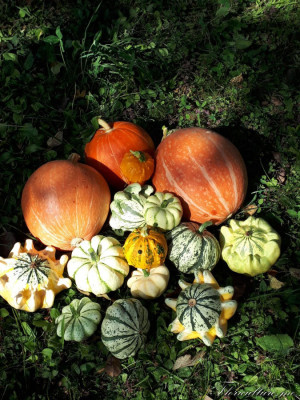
107,148
64,202
137,167
145,248
205,170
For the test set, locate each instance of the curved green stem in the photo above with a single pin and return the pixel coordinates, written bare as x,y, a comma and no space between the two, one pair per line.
146,273
204,226
140,155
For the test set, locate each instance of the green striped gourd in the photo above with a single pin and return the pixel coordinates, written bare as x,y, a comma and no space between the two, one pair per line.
127,208
193,248
30,279
124,327
202,309
99,265
249,247
163,210
78,320
198,307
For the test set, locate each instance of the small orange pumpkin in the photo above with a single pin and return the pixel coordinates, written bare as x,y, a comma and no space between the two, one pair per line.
137,167
145,248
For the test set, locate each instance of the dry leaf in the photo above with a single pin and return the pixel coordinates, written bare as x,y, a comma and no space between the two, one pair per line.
237,79
281,175
276,101
113,366
295,272
55,140
80,94
250,209
277,156
275,283
187,360
207,398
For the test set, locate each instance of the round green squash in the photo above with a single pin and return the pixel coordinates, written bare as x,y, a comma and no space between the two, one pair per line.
198,307
163,210
124,327
192,248
249,247
78,320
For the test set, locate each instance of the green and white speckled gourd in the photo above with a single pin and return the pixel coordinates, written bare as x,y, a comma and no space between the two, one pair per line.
249,247
127,208
193,248
124,328
98,266
202,309
78,320
163,210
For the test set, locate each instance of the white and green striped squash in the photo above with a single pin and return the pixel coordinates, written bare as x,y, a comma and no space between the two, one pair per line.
98,266
127,208
249,247
125,327
78,320
198,307
163,210
193,248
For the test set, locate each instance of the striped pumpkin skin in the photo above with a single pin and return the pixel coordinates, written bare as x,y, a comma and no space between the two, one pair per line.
98,266
125,327
205,170
145,248
192,251
110,143
163,210
127,208
250,247
198,307
78,320
64,202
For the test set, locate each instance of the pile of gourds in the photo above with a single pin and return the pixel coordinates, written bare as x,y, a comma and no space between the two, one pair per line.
198,176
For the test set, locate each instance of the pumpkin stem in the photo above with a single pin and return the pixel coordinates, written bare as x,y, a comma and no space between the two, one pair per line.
144,231
93,255
146,273
74,312
74,158
140,155
76,242
204,226
165,132
165,203
104,125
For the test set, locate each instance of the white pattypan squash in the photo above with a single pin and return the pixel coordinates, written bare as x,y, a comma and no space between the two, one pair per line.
149,284
98,265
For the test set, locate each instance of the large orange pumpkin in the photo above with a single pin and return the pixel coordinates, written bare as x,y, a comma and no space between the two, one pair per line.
64,202
205,170
107,148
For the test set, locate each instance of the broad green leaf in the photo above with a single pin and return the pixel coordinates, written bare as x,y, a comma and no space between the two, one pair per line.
242,44
280,343
4,313
29,61
10,57
51,39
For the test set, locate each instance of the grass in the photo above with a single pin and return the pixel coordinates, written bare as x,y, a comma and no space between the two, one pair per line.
227,65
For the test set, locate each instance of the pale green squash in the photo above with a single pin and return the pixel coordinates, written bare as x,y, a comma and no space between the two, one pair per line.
127,208
78,320
249,247
124,328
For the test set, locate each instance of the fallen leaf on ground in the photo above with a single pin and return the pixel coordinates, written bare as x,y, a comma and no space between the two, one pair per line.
187,360
56,140
250,209
295,272
113,366
275,283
